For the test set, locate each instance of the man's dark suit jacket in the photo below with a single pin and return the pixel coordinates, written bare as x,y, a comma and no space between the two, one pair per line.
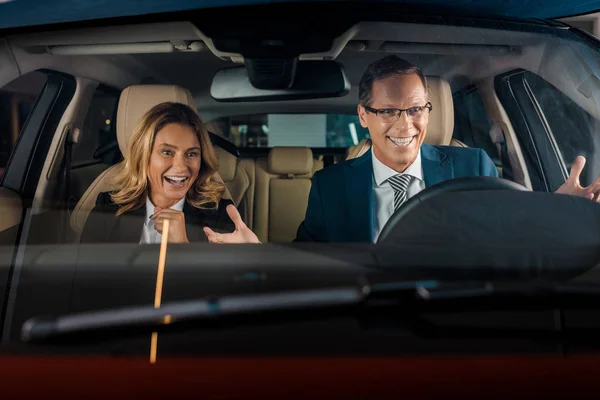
340,203
102,226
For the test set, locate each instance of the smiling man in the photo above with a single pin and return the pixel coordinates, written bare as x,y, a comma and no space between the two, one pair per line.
353,200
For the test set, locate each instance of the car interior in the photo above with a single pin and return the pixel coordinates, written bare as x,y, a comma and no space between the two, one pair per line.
123,70
503,266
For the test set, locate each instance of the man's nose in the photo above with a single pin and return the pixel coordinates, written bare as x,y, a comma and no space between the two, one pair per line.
403,122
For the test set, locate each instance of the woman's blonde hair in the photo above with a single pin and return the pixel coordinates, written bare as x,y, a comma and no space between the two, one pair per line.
132,176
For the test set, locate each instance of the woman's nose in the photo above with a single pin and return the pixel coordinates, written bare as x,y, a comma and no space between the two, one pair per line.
179,163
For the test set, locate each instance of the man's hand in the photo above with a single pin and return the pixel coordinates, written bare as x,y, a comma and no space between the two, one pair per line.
177,233
574,188
242,233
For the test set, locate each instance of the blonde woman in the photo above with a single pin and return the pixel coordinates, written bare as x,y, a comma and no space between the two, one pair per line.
168,174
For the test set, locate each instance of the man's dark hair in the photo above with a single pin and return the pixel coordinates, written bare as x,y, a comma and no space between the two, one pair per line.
381,69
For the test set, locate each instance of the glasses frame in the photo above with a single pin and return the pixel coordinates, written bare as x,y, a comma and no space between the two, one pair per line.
399,111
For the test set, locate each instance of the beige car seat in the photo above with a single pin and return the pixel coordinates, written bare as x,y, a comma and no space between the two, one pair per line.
283,183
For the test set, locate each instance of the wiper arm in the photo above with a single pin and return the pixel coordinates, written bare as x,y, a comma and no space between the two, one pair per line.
407,294
47,327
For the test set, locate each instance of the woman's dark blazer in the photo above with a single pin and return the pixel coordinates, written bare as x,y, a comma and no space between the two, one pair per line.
103,226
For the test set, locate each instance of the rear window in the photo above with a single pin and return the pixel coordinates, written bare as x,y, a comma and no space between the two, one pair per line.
270,130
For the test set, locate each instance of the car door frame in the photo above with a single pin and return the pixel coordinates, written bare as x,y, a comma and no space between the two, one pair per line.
26,163
542,156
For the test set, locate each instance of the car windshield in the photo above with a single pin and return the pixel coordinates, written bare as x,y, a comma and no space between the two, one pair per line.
199,155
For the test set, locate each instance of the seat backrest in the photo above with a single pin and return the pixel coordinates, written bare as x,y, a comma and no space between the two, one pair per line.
134,102
81,178
283,183
238,182
441,120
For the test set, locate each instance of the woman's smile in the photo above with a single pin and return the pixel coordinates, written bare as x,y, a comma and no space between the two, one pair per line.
176,181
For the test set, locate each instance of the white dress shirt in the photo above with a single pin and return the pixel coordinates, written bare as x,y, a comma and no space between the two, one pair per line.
149,233
383,194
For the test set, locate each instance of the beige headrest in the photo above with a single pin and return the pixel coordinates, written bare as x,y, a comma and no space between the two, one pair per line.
136,100
291,160
441,119
358,150
227,164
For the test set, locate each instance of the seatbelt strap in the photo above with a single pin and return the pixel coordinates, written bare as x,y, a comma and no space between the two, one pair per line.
497,136
64,180
499,139
71,139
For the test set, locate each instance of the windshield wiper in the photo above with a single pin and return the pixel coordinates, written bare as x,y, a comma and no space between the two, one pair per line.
410,295
505,290
47,327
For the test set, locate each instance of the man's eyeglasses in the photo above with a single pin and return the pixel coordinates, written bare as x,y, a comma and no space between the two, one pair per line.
393,114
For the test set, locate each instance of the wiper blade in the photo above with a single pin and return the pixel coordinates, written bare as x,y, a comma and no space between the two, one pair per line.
409,294
511,289
47,327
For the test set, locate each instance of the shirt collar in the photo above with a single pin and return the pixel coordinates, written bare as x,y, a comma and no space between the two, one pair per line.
150,207
382,172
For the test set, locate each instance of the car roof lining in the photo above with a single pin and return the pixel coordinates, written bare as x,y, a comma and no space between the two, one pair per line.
360,45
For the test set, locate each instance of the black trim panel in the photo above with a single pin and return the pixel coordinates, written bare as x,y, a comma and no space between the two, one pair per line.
542,163
224,144
26,163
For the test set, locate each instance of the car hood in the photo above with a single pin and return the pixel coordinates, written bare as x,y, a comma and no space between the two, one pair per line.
20,13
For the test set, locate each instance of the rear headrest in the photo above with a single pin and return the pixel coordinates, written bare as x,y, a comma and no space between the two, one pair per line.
441,119
136,100
227,164
291,160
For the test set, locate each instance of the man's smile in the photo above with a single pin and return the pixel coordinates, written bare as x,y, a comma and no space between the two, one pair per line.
401,141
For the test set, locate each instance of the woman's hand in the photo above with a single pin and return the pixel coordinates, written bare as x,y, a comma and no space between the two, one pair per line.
176,219
242,233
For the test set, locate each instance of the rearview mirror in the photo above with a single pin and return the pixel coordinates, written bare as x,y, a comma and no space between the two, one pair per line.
312,79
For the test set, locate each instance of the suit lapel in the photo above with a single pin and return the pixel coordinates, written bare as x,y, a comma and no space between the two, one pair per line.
194,222
359,192
129,226
437,166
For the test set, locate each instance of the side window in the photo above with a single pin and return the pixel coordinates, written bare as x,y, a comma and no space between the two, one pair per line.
471,124
573,130
16,101
98,141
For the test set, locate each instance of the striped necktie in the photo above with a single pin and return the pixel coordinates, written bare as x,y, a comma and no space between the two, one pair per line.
400,184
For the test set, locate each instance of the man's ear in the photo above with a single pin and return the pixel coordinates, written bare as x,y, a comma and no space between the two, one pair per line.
362,116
